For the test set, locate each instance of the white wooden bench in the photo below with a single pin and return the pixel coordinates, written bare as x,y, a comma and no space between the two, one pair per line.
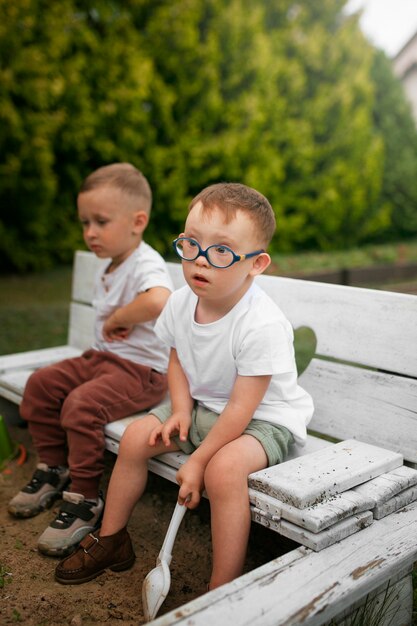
351,505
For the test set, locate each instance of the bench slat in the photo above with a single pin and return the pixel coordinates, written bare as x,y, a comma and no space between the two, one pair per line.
10,395
36,358
81,328
86,266
367,326
374,407
15,381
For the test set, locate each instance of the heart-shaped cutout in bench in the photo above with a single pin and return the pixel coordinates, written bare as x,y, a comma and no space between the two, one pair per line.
305,343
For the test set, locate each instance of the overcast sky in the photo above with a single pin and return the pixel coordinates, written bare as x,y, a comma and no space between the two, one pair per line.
389,24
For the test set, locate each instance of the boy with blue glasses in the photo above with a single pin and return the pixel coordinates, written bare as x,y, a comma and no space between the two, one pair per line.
235,402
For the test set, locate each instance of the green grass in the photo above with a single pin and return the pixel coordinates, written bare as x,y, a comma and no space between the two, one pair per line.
375,611
309,262
34,310
5,576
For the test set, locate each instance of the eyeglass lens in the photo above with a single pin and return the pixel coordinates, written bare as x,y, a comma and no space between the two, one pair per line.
216,255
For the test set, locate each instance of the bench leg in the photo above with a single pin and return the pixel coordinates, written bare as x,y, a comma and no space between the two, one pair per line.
10,412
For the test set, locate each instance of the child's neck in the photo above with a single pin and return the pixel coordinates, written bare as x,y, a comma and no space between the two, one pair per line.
208,311
115,262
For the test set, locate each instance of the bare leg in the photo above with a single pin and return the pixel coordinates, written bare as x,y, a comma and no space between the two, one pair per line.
226,483
129,476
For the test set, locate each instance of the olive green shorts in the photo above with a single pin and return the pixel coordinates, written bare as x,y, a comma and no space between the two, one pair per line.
274,439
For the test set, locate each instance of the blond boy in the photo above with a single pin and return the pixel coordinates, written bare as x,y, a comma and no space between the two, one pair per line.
68,404
235,401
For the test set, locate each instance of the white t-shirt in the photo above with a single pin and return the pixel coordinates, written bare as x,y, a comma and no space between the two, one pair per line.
142,270
253,339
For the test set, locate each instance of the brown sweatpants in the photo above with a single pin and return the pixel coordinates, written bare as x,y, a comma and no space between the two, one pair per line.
68,404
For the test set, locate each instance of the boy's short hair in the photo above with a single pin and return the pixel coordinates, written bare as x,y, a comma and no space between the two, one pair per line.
231,197
124,177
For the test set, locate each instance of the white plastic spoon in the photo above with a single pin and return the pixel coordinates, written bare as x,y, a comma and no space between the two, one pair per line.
157,583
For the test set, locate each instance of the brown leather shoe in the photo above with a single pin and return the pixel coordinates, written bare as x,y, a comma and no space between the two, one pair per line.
94,555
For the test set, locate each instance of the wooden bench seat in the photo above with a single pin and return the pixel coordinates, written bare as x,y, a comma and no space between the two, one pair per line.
361,535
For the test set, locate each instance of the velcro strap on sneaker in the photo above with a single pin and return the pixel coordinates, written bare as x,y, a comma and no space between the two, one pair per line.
40,478
81,510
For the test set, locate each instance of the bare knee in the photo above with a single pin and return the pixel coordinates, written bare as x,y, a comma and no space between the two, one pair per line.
135,439
222,476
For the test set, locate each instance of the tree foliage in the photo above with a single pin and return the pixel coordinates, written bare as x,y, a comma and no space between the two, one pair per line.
278,95
394,120
73,83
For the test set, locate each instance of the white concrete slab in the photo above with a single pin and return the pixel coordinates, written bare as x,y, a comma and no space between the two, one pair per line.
315,477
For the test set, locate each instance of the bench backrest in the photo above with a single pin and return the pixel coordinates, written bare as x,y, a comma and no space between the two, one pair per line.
363,377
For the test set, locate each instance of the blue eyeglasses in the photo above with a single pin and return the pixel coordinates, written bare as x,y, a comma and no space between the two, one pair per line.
189,249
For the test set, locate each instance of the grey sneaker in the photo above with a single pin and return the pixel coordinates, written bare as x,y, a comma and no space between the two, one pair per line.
76,518
45,486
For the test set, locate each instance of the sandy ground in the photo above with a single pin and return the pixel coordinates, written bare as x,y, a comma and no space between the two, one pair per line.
29,594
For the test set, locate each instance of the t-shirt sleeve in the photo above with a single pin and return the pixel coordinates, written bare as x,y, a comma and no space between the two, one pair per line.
149,273
164,327
266,349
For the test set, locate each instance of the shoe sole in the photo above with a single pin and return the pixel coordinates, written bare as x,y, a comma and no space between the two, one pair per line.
33,511
118,567
57,552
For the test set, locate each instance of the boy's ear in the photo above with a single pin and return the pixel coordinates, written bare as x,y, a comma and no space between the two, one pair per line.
140,222
260,263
